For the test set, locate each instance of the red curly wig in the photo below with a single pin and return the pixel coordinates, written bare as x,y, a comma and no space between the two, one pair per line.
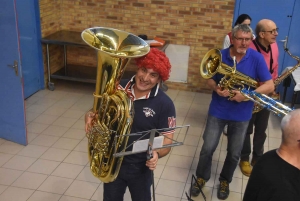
156,60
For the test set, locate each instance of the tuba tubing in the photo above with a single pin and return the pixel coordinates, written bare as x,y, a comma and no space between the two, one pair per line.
113,108
211,64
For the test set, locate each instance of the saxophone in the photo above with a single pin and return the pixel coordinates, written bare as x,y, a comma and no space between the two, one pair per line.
279,79
113,109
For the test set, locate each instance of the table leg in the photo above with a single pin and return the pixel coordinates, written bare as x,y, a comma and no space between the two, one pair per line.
65,59
50,84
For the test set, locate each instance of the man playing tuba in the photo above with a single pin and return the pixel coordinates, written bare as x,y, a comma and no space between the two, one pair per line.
153,109
233,111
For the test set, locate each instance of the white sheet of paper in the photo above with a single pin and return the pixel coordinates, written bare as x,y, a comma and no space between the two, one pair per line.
142,145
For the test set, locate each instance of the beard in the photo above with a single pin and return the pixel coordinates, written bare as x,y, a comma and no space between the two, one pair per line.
241,51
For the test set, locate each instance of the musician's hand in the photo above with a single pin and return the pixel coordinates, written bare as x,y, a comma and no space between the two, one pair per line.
238,97
89,116
222,92
151,164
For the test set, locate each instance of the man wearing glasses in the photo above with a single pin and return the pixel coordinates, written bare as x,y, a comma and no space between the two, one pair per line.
265,43
234,112
276,176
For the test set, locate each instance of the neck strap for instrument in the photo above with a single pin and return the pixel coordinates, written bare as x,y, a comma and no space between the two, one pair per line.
271,58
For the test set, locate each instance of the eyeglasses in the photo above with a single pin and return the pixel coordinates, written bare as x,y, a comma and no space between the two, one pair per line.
243,39
274,31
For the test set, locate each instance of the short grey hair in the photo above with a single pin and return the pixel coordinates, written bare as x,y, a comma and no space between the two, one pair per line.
241,27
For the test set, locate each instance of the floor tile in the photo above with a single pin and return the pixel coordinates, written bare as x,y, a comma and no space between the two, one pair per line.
55,185
66,143
34,127
4,158
33,151
77,134
180,161
8,176
76,114
67,170
184,150
64,121
10,147
175,174
55,110
69,198
43,166
44,196
44,140
55,154
82,189
57,131
16,194
86,175
170,188
30,180
3,188
75,157
19,163
45,119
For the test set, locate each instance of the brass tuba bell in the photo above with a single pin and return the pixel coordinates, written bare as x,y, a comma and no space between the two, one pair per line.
212,64
114,110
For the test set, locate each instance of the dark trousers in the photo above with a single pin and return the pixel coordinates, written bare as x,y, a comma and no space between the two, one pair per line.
260,122
138,179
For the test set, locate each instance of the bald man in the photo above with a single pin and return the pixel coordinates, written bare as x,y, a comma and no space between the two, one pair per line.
265,43
276,176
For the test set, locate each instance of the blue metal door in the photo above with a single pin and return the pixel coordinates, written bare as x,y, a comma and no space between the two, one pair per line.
12,113
31,50
280,11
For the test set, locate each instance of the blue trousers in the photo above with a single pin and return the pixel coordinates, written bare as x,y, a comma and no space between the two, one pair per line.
235,134
138,179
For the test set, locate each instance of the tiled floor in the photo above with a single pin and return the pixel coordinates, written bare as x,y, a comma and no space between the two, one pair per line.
54,164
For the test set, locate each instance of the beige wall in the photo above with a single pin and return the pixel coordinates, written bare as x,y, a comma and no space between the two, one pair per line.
200,24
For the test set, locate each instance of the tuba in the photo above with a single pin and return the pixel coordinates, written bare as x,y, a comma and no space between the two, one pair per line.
113,109
212,64
234,80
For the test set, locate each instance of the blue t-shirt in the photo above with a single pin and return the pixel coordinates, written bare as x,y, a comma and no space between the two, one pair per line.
252,65
155,111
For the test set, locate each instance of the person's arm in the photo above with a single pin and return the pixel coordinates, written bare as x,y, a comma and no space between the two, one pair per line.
167,140
265,88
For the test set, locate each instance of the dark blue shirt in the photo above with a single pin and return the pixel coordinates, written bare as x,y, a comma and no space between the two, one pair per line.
155,111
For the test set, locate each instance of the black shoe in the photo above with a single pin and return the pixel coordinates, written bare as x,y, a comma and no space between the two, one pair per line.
195,190
223,191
